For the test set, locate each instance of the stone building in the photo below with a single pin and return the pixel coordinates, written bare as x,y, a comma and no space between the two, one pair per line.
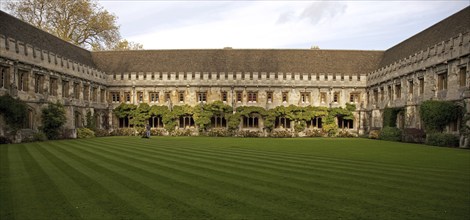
40,68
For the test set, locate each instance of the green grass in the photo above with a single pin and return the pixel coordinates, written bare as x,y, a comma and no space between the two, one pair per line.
230,178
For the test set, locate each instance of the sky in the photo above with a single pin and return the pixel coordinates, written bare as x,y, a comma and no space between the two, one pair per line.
363,25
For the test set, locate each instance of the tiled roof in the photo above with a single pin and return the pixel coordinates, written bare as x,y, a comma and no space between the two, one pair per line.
442,31
22,31
239,60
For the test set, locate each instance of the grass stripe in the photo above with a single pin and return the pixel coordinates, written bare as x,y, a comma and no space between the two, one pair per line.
420,201
78,197
172,177
230,178
326,160
346,163
282,168
328,165
45,187
169,207
6,200
25,200
94,184
284,187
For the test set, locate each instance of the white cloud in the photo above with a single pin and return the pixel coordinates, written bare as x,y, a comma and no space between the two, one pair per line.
276,24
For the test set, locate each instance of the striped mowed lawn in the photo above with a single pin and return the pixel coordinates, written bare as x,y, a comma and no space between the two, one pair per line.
232,178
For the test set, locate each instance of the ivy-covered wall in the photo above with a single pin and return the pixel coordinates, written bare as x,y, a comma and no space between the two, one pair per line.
201,114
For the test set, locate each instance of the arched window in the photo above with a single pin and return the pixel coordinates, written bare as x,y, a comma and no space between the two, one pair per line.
186,121
78,119
282,122
250,122
345,123
124,122
315,123
104,121
29,122
218,122
156,122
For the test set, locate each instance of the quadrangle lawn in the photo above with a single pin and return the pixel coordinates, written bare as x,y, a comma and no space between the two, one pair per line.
232,178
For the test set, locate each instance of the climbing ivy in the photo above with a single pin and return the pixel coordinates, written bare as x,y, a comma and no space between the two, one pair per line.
159,110
389,116
437,114
14,111
233,121
171,118
140,115
203,113
330,127
90,121
124,110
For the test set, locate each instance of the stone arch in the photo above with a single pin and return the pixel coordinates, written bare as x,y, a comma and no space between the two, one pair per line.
77,119
30,118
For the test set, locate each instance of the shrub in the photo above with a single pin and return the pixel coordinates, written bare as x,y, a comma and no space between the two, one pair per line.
4,140
299,126
219,132
281,134
248,133
345,134
139,131
123,132
32,136
158,132
184,132
442,139
330,129
53,117
374,134
39,136
413,135
390,134
101,133
85,133
314,133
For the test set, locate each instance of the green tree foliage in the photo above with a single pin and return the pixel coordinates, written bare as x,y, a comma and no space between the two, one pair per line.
127,45
159,110
53,118
81,22
14,111
437,114
124,110
140,115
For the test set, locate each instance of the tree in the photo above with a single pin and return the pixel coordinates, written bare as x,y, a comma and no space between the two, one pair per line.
53,118
80,22
127,45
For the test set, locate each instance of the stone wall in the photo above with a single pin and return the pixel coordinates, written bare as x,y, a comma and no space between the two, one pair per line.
37,77
440,72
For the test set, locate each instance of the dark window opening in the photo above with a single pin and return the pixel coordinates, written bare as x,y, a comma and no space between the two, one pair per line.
282,122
